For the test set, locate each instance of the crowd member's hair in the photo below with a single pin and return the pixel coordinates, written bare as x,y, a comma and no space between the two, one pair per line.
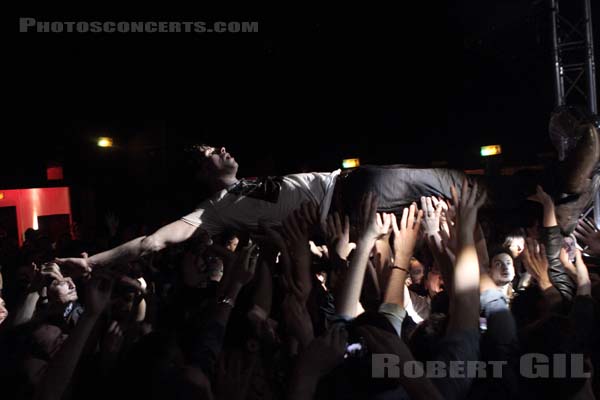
513,235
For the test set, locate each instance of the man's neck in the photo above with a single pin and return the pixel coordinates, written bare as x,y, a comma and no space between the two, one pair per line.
224,183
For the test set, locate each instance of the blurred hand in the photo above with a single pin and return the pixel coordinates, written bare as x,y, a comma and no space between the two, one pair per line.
245,265
405,235
431,214
536,262
542,197
569,267
372,224
466,209
589,236
578,272
75,266
338,235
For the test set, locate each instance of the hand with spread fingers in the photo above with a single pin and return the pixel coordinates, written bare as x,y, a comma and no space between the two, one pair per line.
578,272
431,214
338,235
373,225
466,209
407,232
536,262
589,236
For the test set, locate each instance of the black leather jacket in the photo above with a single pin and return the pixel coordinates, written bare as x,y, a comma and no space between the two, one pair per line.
553,240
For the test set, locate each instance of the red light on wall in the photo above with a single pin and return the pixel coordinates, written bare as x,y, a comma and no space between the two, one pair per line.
54,173
1,195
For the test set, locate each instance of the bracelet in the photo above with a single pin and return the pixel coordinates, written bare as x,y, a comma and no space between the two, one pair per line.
400,268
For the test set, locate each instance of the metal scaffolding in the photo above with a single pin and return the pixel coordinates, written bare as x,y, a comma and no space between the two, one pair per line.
573,53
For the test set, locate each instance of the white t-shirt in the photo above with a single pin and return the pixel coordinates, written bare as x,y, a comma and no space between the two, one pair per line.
243,205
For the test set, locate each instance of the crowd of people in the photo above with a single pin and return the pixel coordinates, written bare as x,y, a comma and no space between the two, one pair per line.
437,299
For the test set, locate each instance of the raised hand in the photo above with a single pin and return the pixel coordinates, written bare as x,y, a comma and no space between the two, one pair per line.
432,212
42,275
405,235
536,262
466,209
569,267
245,265
546,201
75,266
578,272
372,224
588,235
338,235
541,197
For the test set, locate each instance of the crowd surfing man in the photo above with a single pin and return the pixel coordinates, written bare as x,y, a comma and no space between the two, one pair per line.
246,204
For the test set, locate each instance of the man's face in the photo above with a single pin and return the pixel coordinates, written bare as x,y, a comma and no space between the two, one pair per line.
232,244
219,161
502,269
63,290
417,271
434,282
215,269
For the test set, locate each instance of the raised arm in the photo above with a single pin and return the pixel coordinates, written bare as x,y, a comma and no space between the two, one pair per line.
464,301
373,226
176,232
405,238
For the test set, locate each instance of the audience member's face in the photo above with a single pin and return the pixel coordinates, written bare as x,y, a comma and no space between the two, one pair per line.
62,291
215,269
3,311
417,271
502,269
516,247
122,306
232,244
50,338
434,282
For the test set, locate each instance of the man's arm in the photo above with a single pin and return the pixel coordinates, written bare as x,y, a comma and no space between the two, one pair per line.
176,232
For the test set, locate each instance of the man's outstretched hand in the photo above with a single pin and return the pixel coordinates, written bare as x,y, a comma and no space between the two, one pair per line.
587,233
75,266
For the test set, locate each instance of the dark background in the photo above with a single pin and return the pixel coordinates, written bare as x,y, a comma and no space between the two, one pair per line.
423,84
